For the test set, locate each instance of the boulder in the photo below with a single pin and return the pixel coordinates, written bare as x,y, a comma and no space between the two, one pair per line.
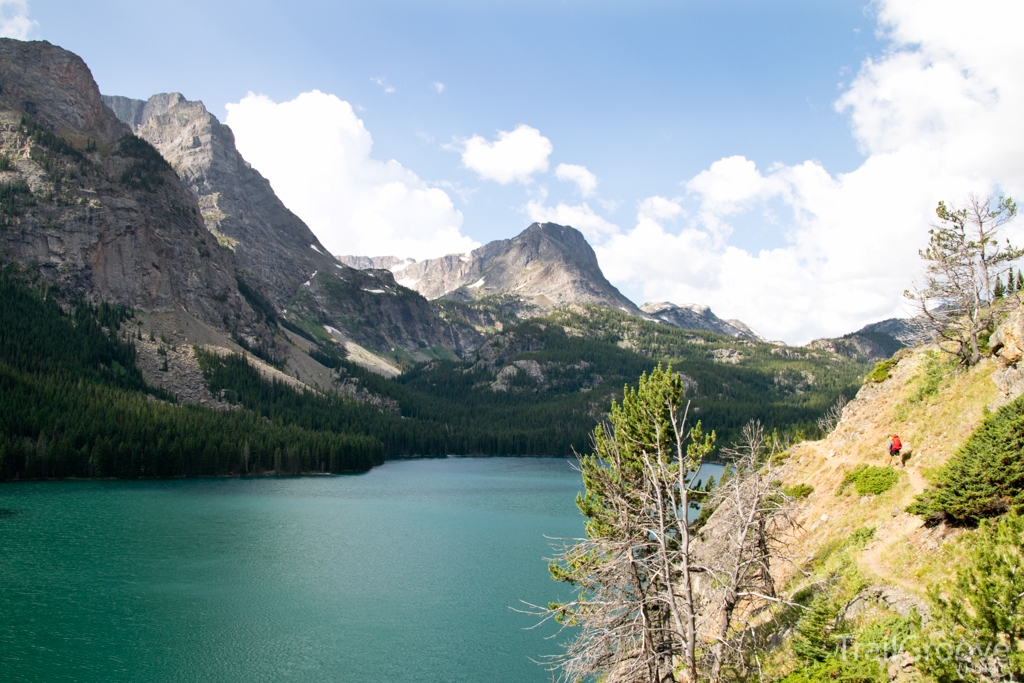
1007,342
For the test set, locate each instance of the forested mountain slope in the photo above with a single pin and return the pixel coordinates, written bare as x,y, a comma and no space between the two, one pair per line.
73,404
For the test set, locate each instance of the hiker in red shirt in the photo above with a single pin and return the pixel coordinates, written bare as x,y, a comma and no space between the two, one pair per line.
895,446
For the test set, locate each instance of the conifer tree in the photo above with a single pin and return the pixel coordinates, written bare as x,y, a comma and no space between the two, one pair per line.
1020,281
1011,281
998,292
985,605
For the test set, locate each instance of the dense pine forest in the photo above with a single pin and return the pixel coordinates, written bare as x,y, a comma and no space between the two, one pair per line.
73,404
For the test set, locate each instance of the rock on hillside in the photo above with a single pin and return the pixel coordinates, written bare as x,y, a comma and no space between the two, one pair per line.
101,217
697,317
274,249
546,266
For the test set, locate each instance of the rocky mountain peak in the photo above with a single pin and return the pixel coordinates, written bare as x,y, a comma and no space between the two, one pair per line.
57,89
95,211
545,266
274,251
237,203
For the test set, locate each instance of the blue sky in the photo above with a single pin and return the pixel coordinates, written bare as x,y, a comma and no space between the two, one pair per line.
730,141
645,94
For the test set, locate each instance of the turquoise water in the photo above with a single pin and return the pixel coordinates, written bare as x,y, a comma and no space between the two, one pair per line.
406,573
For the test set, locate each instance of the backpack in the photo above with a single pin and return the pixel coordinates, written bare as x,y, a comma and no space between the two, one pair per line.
896,443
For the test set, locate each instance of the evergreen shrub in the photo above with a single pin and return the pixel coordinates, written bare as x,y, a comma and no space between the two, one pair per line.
870,480
985,478
882,371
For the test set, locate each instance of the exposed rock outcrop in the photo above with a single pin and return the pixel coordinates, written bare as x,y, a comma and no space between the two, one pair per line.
1007,345
696,317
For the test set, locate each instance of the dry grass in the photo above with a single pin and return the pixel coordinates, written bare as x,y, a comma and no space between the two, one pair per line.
932,429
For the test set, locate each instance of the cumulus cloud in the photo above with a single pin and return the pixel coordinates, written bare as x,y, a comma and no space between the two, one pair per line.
580,216
14,21
515,156
937,114
316,153
584,179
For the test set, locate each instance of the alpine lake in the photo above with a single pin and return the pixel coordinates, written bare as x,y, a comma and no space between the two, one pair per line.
409,573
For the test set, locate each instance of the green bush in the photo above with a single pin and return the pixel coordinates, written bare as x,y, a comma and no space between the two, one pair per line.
985,478
881,372
798,491
868,479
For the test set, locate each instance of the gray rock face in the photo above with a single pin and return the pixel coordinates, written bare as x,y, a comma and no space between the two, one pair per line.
697,317
274,249
56,88
103,223
546,266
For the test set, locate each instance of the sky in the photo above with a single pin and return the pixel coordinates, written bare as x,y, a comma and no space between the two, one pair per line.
779,161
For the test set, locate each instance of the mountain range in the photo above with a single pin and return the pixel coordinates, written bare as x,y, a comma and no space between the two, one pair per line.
545,267
516,347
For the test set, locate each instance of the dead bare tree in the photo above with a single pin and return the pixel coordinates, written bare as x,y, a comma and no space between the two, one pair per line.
745,537
830,420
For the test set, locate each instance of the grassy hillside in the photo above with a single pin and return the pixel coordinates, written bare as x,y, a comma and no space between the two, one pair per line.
874,579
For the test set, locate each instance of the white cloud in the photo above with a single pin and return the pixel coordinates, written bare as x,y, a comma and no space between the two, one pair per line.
581,216
315,152
14,21
383,83
438,86
515,156
937,114
584,179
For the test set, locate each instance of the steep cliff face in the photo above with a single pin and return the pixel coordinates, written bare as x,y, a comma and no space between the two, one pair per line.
94,209
546,266
696,317
274,250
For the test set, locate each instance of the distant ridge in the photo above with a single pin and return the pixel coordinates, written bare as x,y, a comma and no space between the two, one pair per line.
697,317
